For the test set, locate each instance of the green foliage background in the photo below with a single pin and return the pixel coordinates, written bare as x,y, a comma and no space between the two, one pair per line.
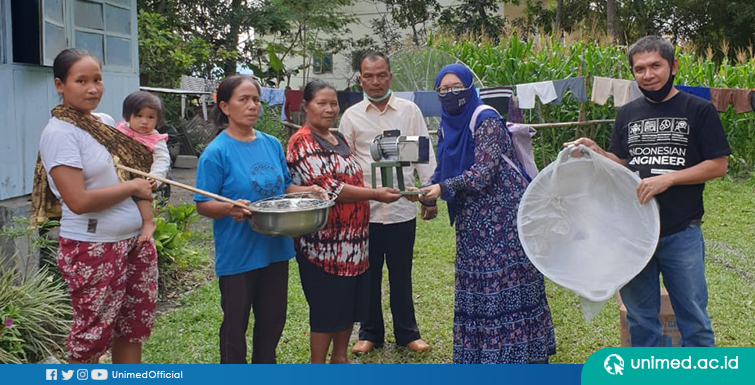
515,61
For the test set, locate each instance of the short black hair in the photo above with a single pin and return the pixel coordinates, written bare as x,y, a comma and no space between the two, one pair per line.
66,59
140,100
652,43
224,93
312,87
374,55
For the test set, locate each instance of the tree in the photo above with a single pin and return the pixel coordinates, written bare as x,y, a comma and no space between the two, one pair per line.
155,6
315,27
474,16
611,20
413,14
558,21
388,36
537,15
704,23
163,55
232,29
388,33
710,23
541,15
228,26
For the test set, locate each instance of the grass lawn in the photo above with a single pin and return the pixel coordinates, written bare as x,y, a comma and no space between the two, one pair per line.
189,333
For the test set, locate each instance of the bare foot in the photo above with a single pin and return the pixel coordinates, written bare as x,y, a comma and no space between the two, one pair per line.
148,229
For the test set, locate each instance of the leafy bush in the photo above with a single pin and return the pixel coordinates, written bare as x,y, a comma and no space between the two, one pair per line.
34,306
35,317
171,232
164,55
270,124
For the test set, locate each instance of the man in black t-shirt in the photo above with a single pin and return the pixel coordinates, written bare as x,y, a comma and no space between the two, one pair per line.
675,142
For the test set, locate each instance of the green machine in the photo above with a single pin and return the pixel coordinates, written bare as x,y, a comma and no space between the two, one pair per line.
392,152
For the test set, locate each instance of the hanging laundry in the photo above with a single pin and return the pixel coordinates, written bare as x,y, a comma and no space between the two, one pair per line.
623,91
498,98
515,115
602,88
273,96
293,102
722,97
343,100
575,85
526,93
634,91
428,103
355,97
347,99
283,110
405,95
703,92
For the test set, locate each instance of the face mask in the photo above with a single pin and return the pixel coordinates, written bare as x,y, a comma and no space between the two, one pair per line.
658,96
377,100
454,104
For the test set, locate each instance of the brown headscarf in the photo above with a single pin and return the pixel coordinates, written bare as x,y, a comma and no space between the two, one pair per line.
124,150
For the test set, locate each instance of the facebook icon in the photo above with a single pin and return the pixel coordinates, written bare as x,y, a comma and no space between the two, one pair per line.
52,375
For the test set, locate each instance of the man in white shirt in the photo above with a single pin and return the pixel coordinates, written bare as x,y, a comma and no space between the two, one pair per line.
392,225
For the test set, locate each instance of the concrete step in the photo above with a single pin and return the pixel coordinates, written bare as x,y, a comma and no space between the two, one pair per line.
186,161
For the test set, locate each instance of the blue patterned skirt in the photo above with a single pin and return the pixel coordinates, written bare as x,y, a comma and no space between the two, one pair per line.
501,314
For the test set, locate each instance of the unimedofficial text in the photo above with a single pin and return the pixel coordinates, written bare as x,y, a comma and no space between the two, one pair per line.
146,374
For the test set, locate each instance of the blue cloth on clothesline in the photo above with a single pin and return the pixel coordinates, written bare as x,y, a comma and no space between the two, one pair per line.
273,96
703,92
428,103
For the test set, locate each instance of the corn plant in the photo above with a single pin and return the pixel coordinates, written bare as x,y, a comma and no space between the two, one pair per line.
515,61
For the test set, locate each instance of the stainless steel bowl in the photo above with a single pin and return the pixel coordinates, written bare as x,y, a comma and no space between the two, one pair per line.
290,215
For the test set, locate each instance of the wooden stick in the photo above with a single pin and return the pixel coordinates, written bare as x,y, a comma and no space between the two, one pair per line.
290,125
296,126
183,186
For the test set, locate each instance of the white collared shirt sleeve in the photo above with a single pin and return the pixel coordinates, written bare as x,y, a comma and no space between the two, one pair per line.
346,127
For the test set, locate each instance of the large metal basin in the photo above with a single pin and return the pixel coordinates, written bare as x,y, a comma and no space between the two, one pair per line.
290,215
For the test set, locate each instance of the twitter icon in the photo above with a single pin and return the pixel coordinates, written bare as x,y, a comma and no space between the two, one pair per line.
67,374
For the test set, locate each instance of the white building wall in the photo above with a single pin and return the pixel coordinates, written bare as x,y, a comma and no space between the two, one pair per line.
28,96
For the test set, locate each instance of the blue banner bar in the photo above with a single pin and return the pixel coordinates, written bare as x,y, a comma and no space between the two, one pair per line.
290,374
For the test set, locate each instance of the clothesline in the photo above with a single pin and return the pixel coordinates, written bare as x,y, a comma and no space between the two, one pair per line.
204,97
510,103
173,91
558,124
571,124
535,125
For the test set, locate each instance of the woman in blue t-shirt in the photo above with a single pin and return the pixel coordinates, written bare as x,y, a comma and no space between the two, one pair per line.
247,165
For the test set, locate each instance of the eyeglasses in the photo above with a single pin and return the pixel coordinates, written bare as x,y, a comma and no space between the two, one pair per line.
454,88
